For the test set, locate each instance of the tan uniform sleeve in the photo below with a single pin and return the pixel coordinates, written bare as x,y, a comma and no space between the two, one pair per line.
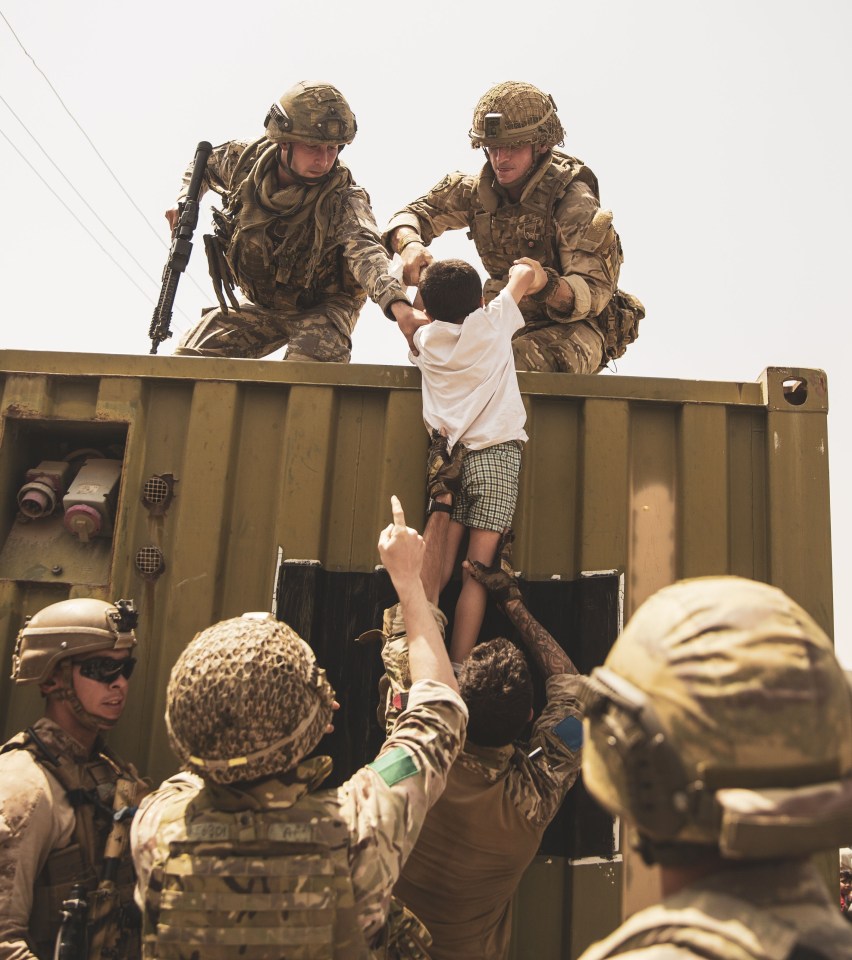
542,780
364,254
589,254
220,166
445,207
35,819
386,802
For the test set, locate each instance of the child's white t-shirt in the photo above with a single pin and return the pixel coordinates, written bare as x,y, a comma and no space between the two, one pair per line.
470,388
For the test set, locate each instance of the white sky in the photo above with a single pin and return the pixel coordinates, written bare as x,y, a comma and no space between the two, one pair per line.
719,131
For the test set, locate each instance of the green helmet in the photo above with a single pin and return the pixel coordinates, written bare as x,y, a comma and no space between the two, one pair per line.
311,112
722,719
71,628
246,700
515,113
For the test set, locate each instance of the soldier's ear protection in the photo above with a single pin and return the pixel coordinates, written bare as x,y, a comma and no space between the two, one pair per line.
659,794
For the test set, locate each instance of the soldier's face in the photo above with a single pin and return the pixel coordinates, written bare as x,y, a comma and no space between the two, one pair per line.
313,160
102,698
511,163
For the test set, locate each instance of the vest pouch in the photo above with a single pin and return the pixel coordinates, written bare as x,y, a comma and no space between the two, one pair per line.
62,870
619,323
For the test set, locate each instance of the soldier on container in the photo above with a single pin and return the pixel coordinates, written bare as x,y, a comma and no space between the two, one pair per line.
720,728
531,200
487,825
58,780
296,234
243,848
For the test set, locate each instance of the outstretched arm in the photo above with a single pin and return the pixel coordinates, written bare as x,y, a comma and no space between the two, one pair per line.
401,549
501,582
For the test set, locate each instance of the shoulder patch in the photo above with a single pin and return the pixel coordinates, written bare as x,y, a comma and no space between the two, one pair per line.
395,765
570,732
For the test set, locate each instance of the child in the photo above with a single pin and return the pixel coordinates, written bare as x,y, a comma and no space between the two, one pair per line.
471,396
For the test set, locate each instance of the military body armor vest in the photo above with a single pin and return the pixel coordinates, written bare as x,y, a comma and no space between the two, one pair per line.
505,231
720,928
270,251
90,788
257,884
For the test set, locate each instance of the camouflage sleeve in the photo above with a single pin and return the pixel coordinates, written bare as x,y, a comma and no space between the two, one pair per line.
545,776
386,802
589,254
446,206
35,818
220,166
153,829
364,254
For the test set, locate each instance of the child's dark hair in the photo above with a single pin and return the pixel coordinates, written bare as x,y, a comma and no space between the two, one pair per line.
451,289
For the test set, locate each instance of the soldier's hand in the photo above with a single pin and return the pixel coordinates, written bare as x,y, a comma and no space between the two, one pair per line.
173,216
539,280
415,257
499,579
401,549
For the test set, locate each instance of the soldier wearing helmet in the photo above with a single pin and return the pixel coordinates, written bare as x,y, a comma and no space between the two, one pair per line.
720,729
243,847
58,782
296,234
531,200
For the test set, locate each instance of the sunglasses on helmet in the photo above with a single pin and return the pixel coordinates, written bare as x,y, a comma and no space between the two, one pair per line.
105,669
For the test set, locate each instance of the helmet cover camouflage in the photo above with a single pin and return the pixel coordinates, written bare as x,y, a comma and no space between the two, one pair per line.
311,112
727,690
515,113
71,628
246,700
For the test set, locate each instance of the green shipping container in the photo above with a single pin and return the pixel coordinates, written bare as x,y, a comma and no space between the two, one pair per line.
210,487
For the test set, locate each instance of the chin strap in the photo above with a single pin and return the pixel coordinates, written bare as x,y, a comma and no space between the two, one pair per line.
66,692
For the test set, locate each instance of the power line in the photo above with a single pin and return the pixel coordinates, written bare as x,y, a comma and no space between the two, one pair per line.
74,215
151,227
77,192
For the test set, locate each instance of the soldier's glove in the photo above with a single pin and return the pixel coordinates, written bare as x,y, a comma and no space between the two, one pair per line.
443,470
499,579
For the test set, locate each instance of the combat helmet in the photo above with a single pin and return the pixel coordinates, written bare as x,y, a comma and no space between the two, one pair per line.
311,112
69,629
721,720
515,113
246,699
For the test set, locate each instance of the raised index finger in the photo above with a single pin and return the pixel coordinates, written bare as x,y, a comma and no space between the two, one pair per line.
396,510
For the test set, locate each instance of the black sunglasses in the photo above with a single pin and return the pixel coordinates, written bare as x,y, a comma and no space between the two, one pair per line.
105,669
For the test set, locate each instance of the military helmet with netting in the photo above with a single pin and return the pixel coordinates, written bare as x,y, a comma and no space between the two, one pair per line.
311,112
246,699
721,718
71,628
515,113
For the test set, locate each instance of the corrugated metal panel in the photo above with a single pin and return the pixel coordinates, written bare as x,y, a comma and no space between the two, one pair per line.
657,479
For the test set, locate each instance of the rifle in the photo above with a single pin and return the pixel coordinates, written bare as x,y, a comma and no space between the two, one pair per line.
71,944
180,250
106,926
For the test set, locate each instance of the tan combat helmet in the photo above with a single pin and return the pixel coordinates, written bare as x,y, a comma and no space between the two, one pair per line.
722,719
246,700
71,628
515,113
311,112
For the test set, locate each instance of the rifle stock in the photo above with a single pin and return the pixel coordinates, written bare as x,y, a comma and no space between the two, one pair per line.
180,250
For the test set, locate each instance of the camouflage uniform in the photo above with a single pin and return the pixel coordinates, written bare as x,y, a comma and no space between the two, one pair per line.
706,731
45,846
487,826
751,912
303,254
56,796
324,861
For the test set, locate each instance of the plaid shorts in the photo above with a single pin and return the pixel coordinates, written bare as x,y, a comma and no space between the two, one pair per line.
489,487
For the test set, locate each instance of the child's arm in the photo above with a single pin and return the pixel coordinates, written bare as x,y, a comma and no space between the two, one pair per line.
526,276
